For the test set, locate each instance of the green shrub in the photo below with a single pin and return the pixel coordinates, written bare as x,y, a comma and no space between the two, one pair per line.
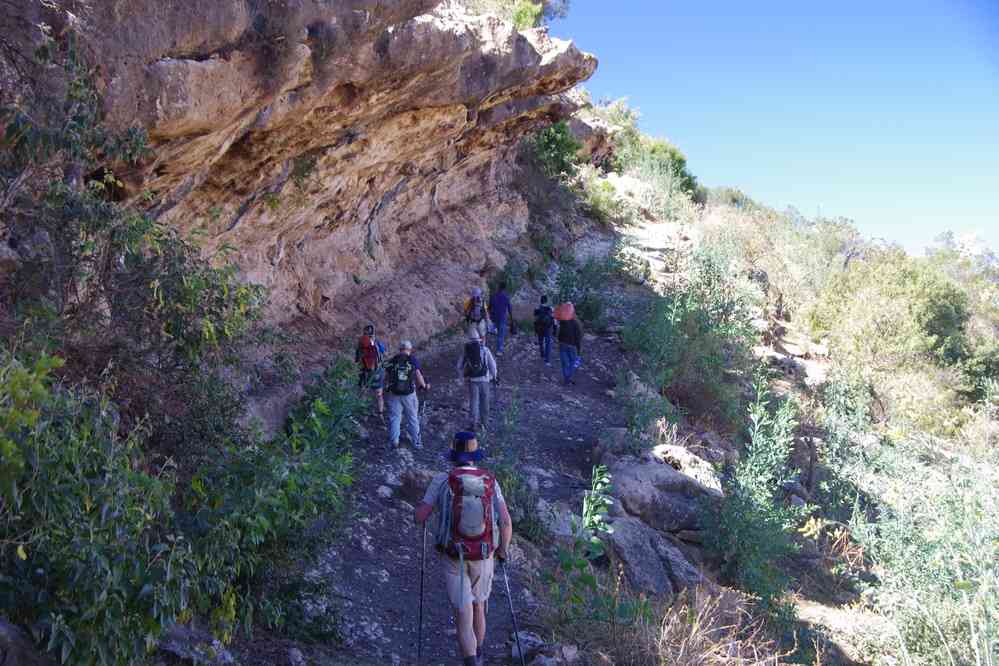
523,13
693,337
586,287
600,199
97,558
648,157
576,589
514,275
93,563
556,148
527,14
751,531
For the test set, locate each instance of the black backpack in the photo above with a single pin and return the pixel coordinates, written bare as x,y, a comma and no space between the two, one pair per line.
544,319
399,375
475,360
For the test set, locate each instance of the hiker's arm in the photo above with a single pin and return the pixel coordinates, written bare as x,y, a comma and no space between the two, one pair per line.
422,512
491,366
506,529
420,381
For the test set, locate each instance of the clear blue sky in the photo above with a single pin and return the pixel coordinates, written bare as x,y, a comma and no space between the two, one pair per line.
883,111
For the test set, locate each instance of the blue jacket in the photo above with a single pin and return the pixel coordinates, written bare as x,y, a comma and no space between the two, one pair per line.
500,307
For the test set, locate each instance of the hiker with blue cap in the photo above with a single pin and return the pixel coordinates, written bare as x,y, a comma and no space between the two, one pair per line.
471,528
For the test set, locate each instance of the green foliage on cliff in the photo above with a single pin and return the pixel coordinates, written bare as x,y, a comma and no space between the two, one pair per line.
555,149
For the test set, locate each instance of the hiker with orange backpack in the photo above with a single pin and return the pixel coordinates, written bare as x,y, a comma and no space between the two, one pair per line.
472,529
570,340
477,313
369,355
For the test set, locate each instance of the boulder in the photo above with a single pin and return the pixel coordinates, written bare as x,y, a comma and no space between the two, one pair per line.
195,645
688,463
555,655
652,563
414,483
658,494
17,648
558,518
529,641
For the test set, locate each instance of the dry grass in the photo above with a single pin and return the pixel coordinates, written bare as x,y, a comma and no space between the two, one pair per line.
705,628
699,628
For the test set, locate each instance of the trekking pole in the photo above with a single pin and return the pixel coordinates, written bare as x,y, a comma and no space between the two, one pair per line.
513,616
419,632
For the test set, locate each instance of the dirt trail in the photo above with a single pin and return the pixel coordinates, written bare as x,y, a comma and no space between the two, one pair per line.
375,565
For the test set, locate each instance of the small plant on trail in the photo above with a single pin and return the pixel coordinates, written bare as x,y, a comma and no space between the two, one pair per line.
576,590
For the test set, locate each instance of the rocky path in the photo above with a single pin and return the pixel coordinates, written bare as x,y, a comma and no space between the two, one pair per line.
376,563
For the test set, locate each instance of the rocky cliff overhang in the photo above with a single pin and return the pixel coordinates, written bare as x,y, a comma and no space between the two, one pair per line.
357,154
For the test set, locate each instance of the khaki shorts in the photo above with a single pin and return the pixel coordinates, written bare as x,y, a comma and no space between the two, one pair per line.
475,583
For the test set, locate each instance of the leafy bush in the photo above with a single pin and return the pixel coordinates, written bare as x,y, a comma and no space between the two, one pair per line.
527,14
752,529
645,155
514,275
97,559
692,337
556,150
523,13
600,198
93,564
576,590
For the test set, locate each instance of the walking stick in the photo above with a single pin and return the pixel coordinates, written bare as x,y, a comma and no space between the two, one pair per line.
513,616
419,632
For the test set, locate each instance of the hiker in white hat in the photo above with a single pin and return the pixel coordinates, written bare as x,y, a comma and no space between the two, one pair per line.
477,366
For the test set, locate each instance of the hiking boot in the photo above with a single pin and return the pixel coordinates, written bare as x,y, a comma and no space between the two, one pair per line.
417,445
393,446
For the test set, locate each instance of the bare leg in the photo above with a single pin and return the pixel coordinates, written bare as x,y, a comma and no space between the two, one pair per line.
466,634
380,394
479,622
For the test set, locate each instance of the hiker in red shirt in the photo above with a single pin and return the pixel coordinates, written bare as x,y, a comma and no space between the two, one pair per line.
369,356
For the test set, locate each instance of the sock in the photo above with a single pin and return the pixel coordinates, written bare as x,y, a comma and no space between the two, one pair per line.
478,652
469,661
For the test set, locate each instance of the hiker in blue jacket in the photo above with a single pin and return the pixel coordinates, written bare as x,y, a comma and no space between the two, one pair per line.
501,311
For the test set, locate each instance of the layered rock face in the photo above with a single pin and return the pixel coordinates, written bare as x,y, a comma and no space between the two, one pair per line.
358,155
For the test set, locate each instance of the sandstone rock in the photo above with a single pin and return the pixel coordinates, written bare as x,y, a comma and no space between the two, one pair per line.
651,563
17,648
9,259
529,641
659,495
612,442
346,147
295,657
557,518
196,645
414,483
686,462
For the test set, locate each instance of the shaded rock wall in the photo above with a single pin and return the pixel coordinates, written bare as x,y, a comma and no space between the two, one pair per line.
357,154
